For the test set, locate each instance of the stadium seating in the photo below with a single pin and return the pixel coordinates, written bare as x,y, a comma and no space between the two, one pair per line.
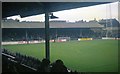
39,34
17,63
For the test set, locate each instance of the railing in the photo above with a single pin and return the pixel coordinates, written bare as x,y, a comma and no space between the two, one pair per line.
13,59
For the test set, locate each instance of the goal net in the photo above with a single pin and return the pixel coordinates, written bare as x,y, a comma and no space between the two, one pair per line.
63,39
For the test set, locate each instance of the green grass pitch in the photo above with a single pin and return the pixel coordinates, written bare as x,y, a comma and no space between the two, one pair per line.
82,56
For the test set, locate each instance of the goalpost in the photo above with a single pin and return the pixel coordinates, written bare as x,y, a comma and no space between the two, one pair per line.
63,39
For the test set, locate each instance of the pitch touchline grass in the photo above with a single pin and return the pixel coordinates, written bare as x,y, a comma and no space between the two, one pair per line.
83,56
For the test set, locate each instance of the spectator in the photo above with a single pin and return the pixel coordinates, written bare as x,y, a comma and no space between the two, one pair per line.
59,66
45,66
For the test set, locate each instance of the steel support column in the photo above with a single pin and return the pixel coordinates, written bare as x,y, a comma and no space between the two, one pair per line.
47,44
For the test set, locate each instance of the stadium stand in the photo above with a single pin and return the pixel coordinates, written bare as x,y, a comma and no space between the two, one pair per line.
18,63
53,24
79,29
19,34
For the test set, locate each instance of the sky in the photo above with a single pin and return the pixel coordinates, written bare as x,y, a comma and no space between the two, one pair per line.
102,11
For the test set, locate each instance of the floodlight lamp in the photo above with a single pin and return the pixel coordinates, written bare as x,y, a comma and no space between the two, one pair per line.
52,16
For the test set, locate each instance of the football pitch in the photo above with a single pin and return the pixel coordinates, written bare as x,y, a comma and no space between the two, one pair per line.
82,56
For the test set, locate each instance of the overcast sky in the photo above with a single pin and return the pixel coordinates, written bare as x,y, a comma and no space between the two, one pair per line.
85,13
